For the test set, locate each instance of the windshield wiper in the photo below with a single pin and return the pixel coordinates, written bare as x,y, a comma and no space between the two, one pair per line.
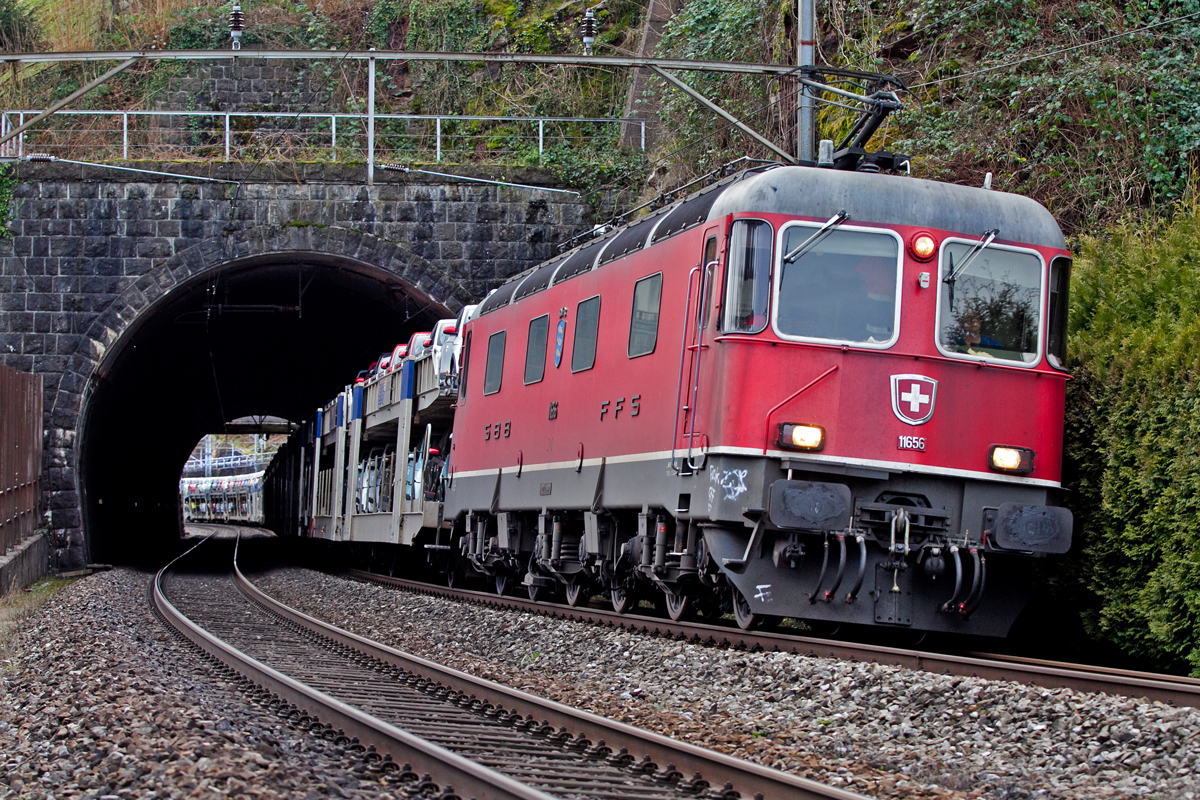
978,248
975,250
815,239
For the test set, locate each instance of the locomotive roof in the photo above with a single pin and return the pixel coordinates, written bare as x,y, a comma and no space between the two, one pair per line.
806,192
890,200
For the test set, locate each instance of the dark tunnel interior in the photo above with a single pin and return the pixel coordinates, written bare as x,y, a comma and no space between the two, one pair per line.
270,336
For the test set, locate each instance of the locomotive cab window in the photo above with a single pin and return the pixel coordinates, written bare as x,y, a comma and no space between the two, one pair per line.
643,326
587,325
535,349
1056,332
747,276
989,302
843,288
494,370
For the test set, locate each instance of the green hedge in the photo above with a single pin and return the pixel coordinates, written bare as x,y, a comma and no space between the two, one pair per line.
1133,439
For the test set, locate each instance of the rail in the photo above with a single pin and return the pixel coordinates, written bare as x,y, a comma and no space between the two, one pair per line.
528,750
1047,674
249,135
478,780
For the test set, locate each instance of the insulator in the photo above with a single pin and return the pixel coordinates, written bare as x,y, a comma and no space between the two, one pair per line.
589,25
237,19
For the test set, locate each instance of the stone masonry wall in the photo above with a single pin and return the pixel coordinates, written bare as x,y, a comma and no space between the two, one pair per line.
91,249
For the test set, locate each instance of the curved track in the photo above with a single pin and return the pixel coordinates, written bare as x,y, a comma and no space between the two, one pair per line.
484,739
1179,691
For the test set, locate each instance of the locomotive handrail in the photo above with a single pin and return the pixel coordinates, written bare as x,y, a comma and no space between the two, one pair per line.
790,398
687,313
701,307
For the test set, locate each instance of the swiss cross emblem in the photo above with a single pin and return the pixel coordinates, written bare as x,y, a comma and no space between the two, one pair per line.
913,397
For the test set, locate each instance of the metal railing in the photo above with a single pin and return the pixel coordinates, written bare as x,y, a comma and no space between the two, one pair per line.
251,135
20,455
198,467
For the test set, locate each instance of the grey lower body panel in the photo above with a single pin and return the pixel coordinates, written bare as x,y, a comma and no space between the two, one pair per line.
728,494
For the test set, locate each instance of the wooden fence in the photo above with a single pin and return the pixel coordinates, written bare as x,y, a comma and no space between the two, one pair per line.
20,455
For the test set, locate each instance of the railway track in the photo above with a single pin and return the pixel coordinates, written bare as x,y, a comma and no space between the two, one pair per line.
1179,691
483,739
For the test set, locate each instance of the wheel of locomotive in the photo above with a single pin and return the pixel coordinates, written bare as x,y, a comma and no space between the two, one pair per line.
622,599
746,619
678,604
578,592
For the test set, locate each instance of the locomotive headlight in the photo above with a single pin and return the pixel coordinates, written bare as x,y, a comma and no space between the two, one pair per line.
922,246
1011,459
801,437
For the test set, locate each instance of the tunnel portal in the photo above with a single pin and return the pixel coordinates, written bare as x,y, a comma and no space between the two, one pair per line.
275,335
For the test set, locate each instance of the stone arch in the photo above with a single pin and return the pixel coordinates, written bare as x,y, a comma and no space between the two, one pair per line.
102,341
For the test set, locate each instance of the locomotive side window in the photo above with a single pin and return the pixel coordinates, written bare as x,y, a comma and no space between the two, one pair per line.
841,289
587,324
643,326
747,276
535,349
989,306
494,370
710,274
1056,333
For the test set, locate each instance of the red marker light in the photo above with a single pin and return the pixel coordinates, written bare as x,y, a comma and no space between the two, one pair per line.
922,246
433,451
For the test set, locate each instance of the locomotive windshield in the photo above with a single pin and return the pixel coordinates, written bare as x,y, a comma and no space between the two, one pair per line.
990,309
843,289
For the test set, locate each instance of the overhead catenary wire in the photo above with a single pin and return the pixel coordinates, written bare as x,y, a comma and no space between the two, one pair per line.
46,158
489,181
693,143
1059,51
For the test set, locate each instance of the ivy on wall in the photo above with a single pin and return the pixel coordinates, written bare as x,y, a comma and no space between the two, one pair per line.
8,186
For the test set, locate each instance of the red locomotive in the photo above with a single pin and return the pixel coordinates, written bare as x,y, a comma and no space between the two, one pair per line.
806,393
824,394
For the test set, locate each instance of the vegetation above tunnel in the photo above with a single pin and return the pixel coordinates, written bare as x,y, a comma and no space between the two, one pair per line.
1090,108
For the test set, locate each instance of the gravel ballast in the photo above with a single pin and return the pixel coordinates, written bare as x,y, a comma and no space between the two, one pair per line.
98,700
878,730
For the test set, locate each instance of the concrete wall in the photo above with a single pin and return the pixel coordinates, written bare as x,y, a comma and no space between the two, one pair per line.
24,564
